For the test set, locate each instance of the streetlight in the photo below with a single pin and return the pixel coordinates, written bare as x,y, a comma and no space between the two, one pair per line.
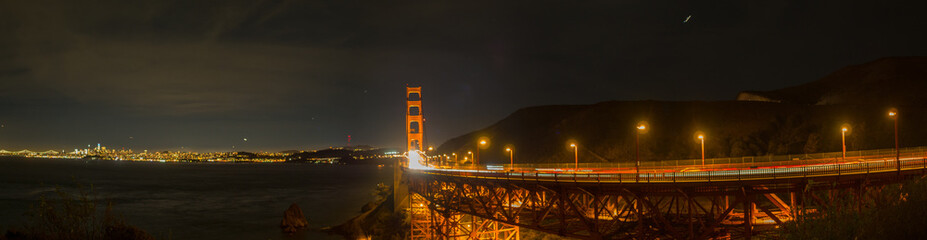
511,157
894,115
575,155
455,158
702,139
471,158
482,143
843,140
637,151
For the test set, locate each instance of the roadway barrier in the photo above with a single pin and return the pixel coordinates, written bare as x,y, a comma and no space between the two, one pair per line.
817,165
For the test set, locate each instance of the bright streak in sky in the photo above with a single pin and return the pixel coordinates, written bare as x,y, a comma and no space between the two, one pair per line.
687,19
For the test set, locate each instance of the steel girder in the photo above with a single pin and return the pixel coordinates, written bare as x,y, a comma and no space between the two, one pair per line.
431,222
637,211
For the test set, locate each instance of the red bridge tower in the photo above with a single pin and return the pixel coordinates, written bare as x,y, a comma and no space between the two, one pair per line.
415,122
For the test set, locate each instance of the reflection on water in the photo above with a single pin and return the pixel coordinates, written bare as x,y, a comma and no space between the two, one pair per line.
199,201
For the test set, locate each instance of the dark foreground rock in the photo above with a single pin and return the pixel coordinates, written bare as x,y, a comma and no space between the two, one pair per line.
293,220
378,222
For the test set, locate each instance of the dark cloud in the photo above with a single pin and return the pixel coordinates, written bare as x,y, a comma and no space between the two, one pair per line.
304,74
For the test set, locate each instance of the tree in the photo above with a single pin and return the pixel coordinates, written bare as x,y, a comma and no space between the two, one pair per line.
813,144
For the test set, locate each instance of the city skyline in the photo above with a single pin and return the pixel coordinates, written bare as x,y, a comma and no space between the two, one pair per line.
166,75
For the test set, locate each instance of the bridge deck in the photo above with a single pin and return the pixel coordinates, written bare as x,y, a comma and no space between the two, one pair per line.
612,201
711,173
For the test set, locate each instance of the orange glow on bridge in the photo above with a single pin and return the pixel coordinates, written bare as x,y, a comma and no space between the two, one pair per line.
675,199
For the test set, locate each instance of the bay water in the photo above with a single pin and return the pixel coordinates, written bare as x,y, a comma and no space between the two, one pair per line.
199,200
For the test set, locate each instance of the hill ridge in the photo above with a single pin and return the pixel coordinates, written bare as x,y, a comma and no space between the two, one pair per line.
785,124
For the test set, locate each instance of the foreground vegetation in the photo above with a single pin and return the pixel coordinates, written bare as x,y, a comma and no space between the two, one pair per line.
73,213
899,212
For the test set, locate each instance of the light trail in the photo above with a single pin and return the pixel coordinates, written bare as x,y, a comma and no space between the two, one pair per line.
686,173
417,160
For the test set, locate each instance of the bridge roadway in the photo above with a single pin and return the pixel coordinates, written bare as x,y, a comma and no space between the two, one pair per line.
721,200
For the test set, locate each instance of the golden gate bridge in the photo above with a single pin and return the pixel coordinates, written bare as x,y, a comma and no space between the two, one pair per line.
725,198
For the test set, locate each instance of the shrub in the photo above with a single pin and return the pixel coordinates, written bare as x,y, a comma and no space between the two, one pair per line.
74,215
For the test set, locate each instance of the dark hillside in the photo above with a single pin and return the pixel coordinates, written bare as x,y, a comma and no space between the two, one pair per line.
605,131
888,81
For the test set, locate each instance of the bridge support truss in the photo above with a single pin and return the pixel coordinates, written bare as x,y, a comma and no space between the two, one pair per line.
431,221
590,210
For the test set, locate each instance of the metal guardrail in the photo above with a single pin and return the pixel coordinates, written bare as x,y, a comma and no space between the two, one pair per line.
864,162
729,160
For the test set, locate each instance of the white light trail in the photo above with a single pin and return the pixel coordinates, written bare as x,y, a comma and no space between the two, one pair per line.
416,160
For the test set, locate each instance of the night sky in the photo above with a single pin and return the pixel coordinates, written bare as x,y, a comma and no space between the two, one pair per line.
204,75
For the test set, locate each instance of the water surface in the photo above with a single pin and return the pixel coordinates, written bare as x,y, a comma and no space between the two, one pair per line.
199,200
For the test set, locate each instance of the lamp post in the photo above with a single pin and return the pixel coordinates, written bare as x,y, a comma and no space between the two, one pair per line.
637,150
702,139
455,158
428,157
472,160
575,155
843,140
511,157
482,143
894,115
